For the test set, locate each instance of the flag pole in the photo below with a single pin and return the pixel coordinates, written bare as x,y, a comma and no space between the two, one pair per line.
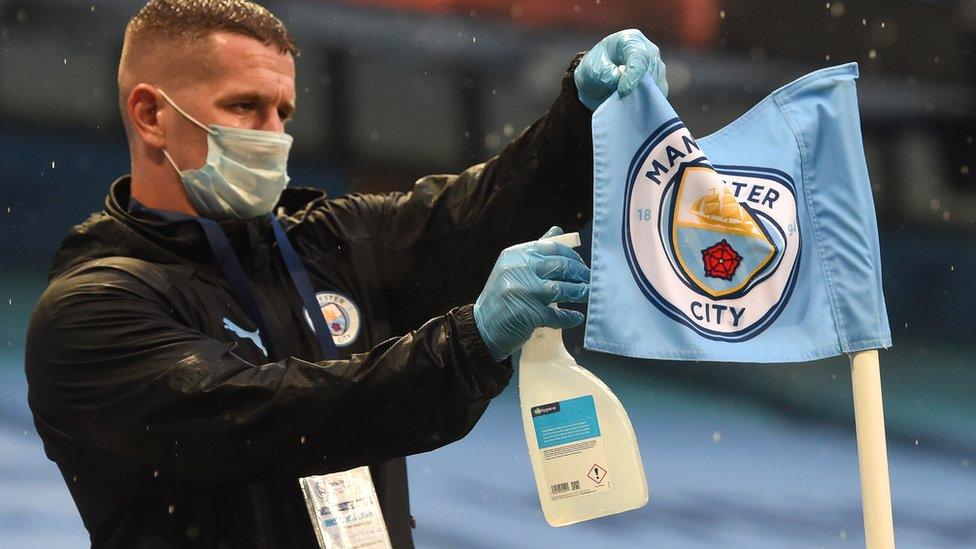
872,453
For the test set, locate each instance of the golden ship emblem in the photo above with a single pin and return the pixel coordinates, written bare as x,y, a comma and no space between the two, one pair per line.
720,210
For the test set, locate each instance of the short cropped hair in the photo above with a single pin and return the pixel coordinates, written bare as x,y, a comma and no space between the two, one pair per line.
199,18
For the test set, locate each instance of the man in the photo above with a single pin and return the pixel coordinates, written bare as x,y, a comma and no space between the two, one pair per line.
209,338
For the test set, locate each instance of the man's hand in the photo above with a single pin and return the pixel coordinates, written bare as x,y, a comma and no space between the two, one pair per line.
525,280
618,63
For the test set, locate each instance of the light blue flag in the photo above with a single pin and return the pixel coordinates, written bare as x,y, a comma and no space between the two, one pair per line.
757,243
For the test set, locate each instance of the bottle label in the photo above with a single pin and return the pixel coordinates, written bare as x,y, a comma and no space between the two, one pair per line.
567,434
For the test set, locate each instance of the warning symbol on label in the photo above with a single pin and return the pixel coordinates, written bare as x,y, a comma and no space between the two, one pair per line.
597,474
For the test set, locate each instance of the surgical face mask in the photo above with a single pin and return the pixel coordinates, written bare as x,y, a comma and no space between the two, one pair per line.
244,174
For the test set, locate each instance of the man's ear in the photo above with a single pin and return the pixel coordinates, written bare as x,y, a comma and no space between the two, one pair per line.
142,107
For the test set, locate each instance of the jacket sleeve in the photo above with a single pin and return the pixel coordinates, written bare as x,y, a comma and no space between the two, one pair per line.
110,366
437,243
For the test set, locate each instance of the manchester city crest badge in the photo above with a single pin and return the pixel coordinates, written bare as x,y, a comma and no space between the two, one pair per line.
341,316
713,247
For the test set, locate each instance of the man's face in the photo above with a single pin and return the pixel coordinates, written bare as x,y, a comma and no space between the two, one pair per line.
243,84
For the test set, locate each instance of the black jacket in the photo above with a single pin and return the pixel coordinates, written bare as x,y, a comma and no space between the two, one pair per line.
170,430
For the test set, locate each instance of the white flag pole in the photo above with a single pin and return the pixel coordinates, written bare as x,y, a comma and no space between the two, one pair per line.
872,452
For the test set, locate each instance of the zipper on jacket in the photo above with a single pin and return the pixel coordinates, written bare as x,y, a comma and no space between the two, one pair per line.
262,526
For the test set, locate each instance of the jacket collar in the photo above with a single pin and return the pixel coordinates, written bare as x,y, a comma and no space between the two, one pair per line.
117,232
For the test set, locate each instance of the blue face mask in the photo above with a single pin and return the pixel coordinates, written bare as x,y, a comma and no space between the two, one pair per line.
244,174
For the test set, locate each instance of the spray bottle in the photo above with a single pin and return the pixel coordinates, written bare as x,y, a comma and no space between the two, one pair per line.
582,446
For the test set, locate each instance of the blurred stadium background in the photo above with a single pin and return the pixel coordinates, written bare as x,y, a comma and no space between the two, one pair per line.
389,90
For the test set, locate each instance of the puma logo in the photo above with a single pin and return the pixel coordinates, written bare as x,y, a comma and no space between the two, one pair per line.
254,336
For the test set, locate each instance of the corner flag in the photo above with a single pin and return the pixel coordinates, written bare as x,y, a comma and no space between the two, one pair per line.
757,243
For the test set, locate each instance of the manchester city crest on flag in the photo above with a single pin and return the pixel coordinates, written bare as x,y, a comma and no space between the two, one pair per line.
729,235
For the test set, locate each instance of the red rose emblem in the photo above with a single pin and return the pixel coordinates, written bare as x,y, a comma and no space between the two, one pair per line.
721,260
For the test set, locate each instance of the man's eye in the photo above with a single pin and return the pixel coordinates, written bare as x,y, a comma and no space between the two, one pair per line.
244,106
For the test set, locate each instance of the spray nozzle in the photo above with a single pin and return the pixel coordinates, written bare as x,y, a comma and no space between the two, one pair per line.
569,239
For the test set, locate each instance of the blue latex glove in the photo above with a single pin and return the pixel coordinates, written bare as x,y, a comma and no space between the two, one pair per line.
525,280
599,72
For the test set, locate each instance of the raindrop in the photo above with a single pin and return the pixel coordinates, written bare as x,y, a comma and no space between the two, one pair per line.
716,436
946,216
721,14
171,509
965,463
916,442
842,534
935,204
156,473
492,141
964,169
872,54
302,440
952,268
507,129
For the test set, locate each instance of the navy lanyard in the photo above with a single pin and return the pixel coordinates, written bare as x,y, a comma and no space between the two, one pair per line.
299,277
230,266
